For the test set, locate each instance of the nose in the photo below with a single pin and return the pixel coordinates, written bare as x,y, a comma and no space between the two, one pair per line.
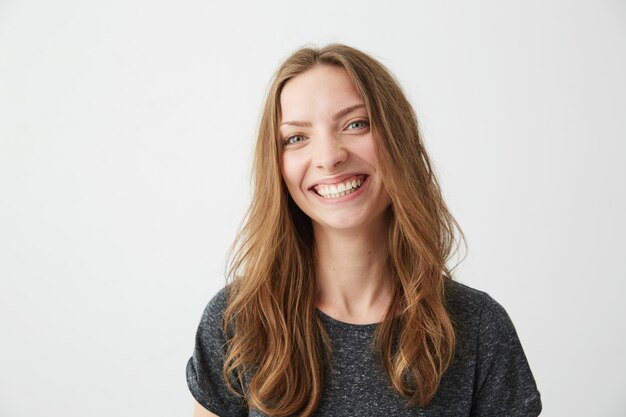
329,152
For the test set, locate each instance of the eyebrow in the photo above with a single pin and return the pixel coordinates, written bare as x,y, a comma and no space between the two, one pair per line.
337,116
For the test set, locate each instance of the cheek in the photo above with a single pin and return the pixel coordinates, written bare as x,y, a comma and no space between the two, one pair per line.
292,170
366,151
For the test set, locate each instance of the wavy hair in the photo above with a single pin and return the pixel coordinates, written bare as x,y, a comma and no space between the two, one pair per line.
276,341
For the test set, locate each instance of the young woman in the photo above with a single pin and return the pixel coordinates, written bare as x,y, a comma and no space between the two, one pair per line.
340,302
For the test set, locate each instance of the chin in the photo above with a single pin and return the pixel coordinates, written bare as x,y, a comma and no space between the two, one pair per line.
338,224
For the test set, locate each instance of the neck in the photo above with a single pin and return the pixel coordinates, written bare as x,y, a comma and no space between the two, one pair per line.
351,272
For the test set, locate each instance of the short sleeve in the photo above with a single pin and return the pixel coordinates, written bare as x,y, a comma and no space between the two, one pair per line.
504,382
204,368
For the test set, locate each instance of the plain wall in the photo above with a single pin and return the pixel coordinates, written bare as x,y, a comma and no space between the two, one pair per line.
126,135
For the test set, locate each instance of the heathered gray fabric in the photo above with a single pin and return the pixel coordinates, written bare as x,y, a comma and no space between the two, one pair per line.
489,376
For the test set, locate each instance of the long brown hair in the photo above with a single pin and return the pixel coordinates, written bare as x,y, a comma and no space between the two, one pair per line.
277,343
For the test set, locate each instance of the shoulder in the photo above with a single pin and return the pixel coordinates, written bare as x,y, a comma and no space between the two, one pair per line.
462,295
503,383
213,314
217,304
476,312
464,300
205,368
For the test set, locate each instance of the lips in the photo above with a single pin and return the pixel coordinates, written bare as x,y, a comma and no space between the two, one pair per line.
340,186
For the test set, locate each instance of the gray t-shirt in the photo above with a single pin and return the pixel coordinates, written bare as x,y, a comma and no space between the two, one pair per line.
489,375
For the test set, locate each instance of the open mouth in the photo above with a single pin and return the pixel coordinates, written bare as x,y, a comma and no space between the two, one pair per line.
340,189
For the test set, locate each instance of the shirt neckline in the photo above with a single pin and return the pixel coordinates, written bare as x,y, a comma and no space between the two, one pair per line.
347,326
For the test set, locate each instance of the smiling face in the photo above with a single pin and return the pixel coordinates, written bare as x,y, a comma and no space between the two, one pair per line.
328,159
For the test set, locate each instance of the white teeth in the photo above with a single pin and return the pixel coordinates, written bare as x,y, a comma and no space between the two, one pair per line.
339,190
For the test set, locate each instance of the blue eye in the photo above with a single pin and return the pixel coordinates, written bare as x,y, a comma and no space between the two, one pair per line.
358,124
293,139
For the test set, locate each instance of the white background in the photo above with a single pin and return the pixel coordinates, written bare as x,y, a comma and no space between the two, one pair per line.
126,133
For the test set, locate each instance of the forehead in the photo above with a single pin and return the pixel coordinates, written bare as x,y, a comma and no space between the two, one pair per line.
318,92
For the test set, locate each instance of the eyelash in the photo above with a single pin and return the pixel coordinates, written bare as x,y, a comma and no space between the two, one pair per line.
286,140
367,123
